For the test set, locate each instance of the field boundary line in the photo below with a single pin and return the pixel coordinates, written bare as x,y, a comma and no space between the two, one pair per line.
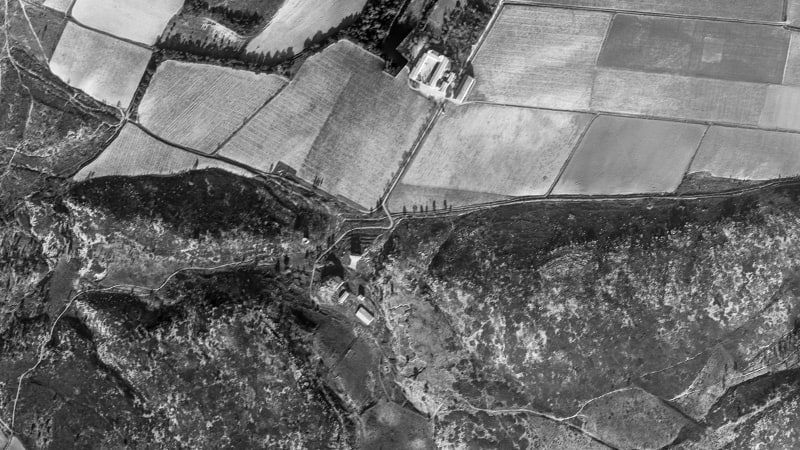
107,34
696,151
414,152
545,4
571,155
195,151
786,61
644,116
249,118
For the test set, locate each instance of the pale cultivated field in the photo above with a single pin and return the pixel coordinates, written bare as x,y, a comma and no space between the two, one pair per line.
58,5
286,128
299,20
748,154
791,76
341,119
541,57
673,96
766,10
793,12
134,152
704,48
496,149
621,155
200,105
781,108
105,68
137,20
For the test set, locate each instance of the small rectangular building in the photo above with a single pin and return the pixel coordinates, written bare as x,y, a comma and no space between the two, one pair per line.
344,296
365,316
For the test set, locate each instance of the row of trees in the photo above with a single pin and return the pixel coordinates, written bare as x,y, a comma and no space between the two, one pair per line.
424,208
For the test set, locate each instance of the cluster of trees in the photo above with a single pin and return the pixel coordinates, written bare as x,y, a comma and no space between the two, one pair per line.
238,19
424,208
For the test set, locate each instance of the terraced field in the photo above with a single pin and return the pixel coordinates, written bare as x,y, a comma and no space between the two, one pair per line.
341,121
108,69
134,152
199,105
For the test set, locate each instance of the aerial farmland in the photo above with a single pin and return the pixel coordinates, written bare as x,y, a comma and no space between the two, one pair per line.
200,105
134,152
108,69
299,22
135,20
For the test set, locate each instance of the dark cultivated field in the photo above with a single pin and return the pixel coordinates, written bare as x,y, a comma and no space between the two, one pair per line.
724,50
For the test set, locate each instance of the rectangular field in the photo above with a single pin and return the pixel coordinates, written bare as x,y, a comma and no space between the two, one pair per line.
781,108
702,48
200,105
108,69
134,153
621,155
540,57
677,97
791,76
496,150
341,122
136,20
748,154
58,5
300,21
762,10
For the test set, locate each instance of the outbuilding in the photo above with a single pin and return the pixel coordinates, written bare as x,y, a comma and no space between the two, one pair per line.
365,316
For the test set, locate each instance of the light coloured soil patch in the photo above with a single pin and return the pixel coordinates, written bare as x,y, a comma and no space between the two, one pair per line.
200,105
540,57
134,153
341,121
299,20
495,149
705,48
621,155
678,97
408,196
105,68
768,10
58,5
748,154
791,76
781,108
137,20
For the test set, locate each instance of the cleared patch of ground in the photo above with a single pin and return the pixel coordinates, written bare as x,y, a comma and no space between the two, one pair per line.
134,152
703,48
108,69
389,425
621,155
540,57
137,20
497,150
679,97
748,154
200,105
768,10
299,22
341,122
